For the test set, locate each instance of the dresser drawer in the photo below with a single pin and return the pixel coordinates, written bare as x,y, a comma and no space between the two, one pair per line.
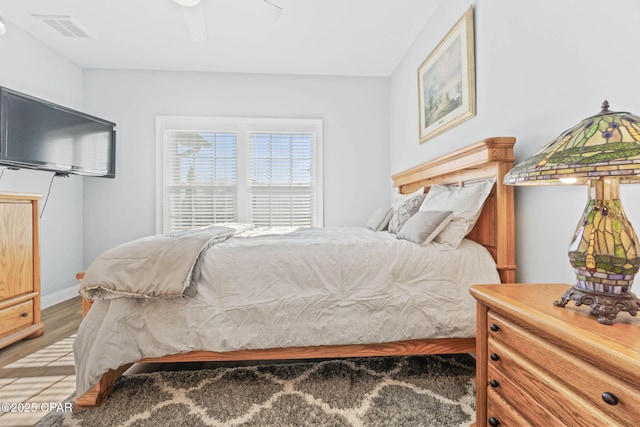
502,388
543,388
16,316
500,413
581,376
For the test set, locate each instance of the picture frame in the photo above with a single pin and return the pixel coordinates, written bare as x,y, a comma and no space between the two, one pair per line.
446,81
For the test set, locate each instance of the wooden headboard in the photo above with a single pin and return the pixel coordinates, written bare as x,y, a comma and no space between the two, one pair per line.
491,157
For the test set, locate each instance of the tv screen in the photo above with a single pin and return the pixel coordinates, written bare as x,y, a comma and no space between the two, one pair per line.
37,134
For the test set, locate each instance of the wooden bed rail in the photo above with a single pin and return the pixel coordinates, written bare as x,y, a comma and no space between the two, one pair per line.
100,392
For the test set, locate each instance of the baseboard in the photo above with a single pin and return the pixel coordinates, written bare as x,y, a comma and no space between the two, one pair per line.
59,296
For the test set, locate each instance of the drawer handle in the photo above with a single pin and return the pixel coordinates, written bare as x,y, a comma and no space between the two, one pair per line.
494,422
495,357
609,398
24,314
494,383
494,327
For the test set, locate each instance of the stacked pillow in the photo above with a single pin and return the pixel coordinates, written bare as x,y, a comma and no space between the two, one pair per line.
392,217
424,226
403,210
466,202
444,215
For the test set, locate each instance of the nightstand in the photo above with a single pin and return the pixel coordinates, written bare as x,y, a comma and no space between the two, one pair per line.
538,364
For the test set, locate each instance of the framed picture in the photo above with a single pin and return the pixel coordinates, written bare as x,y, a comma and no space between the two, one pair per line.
446,81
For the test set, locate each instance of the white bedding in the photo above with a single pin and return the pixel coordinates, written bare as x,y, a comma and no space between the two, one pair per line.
324,286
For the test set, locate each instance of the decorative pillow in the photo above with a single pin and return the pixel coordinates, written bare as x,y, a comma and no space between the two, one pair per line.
424,226
466,203
401,198
380,219
404,212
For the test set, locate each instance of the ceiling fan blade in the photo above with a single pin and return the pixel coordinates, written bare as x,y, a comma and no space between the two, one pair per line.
196,22
274,11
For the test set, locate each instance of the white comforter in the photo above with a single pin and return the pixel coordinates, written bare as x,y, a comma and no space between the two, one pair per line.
309,287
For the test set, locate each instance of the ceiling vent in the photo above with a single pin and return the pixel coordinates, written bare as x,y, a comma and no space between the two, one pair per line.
64,25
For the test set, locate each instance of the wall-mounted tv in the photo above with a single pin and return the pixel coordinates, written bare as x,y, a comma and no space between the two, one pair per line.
38,134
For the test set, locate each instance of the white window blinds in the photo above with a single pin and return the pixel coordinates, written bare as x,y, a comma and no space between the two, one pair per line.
281,179
200,176
263,171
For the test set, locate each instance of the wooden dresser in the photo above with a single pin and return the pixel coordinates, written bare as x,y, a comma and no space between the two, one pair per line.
19,268
542,365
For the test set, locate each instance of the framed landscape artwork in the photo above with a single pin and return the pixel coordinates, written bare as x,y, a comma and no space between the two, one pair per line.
446,81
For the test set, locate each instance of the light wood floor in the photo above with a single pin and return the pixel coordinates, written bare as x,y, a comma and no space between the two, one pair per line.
60,321
39,374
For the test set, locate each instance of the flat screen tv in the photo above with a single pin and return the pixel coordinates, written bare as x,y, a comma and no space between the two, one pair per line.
38,134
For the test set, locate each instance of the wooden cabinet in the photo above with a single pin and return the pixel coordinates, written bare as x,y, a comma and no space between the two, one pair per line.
541,365
19,268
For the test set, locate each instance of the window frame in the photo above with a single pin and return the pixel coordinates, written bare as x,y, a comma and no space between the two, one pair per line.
242,127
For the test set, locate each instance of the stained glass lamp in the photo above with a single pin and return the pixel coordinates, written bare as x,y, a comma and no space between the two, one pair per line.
602,151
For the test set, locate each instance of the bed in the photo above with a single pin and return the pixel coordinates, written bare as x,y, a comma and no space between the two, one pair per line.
115,332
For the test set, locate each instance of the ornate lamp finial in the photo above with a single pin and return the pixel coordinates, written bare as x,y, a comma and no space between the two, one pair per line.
605,106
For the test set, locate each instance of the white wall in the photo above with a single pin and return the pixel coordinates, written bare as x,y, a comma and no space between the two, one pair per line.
29,66
355,113
541,67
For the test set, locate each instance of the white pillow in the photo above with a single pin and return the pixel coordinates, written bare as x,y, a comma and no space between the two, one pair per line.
466,203
379,219
424,226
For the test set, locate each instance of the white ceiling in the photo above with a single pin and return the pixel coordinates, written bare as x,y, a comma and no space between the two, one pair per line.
320,37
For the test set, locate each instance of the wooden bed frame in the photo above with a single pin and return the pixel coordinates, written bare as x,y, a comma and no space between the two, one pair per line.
492,157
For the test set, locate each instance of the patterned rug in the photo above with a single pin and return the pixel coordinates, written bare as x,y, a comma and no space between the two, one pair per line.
383,391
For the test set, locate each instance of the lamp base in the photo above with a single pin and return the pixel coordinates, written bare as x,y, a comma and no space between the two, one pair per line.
603,305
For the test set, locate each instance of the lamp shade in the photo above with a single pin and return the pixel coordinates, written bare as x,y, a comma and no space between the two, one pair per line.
607,144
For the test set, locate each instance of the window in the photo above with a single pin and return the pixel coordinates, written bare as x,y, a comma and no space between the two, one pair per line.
281,178
262,171
200,179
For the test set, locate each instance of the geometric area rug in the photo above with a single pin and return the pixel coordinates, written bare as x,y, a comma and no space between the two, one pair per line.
435,390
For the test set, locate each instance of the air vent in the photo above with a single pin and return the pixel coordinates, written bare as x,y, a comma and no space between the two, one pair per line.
64,25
